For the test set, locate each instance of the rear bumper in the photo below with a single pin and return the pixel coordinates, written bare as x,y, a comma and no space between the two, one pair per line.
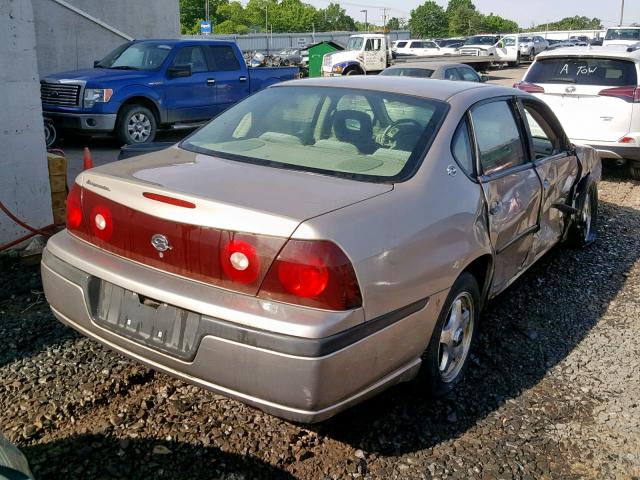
86,122
303,379
613,150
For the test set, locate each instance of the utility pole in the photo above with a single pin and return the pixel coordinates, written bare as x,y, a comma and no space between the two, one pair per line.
384,19
622,13
366,23
206,10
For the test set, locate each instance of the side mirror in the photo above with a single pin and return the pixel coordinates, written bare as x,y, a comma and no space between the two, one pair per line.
500,45
96,63
484,78
177,71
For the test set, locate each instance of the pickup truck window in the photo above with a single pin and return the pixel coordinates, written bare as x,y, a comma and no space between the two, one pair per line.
136,56
193,56
365,135
222,59
355,43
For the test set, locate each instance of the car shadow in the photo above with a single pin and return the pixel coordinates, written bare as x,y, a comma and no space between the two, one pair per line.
107,457
525,331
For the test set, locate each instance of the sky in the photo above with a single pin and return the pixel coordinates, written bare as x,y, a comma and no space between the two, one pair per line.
525,12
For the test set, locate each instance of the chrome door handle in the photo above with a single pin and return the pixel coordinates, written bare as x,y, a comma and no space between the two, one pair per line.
495,208
211,81
243,78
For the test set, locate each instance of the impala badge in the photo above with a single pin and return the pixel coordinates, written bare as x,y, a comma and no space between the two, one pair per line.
570,89
160,243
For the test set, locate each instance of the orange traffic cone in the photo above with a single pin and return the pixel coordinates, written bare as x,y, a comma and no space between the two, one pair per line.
87,159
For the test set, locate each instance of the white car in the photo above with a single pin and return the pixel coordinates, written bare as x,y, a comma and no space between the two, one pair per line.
417,48
532,46
621,36
593,91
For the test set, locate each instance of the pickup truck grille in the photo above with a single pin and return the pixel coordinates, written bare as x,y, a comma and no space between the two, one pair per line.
62,94
470,51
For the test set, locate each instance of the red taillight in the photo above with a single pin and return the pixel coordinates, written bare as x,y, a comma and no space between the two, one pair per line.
313,273
170,200
627,140
528,87
239,261
629,94
74,207
101,222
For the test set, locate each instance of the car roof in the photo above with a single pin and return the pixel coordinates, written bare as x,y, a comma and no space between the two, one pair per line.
419,87
611,51
178,41
426,65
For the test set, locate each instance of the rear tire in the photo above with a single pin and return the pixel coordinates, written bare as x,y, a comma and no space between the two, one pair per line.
447,355
136,124
634,172
583,231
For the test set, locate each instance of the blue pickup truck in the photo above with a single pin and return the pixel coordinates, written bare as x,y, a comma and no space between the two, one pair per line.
145,85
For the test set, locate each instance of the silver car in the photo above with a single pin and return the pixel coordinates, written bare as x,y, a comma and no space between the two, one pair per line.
434,70
323,239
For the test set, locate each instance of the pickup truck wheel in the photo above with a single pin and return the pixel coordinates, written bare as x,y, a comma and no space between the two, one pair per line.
516,63
136,124
583,230
445,359
353,71
50,133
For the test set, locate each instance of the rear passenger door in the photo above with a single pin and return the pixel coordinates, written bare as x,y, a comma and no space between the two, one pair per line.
556,165
231,82
510,185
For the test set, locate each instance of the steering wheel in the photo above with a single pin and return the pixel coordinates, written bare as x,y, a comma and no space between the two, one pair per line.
389,137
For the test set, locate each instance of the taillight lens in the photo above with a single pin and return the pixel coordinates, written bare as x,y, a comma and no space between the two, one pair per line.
74,207
239,261
313,273
528,87
101,222
629,94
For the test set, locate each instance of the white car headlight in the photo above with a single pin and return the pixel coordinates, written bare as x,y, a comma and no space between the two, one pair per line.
96,95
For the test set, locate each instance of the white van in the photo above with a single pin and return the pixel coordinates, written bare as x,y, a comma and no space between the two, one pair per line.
594,92
621,36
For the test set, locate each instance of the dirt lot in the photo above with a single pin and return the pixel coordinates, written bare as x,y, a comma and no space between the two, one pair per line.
553,391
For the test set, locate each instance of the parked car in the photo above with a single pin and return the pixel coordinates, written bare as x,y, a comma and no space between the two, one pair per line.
621,36
145,85
451,42
594,91
417,48
434,70
322,239
531,46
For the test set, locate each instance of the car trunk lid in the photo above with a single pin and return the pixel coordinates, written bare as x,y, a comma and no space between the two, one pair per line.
183,212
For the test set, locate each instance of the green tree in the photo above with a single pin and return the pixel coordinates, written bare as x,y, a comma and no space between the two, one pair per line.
571,23
394,23
455,5
428,20
465,21
334,18
496,24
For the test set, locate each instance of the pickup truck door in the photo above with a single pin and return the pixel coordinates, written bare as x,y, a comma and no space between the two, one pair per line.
231,77
375,55
507,48
557,166
510,185
193,98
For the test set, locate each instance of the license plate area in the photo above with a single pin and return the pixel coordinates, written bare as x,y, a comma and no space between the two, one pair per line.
146,321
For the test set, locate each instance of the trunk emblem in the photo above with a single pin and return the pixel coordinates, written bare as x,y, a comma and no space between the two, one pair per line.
160,243
570,89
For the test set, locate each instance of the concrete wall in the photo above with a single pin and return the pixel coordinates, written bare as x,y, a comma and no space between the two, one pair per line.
68,41
24,178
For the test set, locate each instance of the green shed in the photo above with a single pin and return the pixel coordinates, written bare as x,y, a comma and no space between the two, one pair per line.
316,53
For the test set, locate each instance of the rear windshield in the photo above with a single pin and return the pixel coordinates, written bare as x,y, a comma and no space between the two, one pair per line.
359,134
623,34
408,72
583,71
401,44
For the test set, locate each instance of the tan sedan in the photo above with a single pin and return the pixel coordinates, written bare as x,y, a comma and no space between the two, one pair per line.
323,239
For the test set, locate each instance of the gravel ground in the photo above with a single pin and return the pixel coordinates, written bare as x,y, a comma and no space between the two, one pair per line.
553,391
